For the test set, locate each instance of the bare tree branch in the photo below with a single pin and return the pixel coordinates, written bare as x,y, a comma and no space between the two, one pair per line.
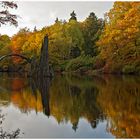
5,15
4,134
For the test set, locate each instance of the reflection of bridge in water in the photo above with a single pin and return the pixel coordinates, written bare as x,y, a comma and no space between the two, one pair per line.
11,82
41,85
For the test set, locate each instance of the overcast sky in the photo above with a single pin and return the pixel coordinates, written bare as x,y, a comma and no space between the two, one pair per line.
43,13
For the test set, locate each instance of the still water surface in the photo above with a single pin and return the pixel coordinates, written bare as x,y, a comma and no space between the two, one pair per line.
71,106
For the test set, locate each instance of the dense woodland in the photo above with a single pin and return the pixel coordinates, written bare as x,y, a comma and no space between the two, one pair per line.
109,45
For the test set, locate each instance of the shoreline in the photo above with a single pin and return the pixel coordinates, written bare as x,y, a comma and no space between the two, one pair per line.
79,73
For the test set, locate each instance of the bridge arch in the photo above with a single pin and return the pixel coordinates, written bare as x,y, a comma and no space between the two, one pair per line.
17,55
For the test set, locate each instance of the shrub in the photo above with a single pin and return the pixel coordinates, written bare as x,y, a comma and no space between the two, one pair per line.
138,69
99,63
60,66
113,67
81,62
129,69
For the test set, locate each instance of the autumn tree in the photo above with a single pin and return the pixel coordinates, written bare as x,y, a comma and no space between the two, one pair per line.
4,44
18,41
120,41
5,49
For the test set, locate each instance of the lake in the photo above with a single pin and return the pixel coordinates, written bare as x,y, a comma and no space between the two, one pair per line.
103,106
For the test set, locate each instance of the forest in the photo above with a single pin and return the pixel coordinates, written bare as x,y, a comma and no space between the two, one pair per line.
95,45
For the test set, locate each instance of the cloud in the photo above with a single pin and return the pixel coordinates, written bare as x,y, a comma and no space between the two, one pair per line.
52,14
40,14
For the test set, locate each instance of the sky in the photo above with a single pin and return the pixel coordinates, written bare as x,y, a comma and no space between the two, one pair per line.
42,13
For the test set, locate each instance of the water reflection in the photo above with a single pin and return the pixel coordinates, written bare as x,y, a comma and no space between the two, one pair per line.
120,100
111,99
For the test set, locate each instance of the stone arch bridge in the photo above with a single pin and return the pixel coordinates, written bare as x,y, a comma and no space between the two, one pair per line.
16,55
40,68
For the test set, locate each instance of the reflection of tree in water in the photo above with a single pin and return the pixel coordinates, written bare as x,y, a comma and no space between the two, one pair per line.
68,99
13,82
63,100
5,134
120,100
71,98
68,102
43,85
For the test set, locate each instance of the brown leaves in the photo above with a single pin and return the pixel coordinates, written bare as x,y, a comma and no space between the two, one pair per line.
7,4
122,29
5,15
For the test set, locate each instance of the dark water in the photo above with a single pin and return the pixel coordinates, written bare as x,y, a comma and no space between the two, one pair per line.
71,106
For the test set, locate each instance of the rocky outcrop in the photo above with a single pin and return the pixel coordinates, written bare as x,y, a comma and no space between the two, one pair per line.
42,68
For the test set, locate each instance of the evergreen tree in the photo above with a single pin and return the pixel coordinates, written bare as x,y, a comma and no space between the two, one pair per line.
57,20
35,29
91,31
73,16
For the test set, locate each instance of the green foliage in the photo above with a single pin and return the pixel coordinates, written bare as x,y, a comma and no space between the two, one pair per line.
80,63
129,69
60,66
91,29
137,69
5,49
75,52
4,44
